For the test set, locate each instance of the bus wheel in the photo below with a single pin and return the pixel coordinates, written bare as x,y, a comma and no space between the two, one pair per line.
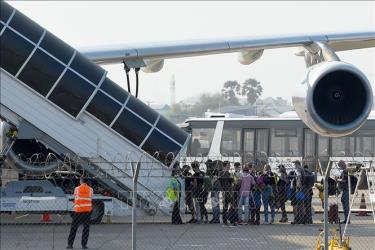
97,212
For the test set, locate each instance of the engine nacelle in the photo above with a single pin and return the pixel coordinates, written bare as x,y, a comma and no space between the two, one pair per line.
153,65
335,99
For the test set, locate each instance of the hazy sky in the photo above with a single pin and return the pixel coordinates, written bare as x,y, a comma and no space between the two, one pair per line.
95,23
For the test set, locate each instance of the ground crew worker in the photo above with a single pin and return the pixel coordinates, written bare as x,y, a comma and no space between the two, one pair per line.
81,213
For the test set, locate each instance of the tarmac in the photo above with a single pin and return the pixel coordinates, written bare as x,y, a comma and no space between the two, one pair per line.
159,234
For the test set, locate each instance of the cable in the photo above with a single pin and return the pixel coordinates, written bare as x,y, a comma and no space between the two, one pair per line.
127,69
136,81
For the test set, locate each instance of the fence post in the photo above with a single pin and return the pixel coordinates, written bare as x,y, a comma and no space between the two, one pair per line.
326,206
135,170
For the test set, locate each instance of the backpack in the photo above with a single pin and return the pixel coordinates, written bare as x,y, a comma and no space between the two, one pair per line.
332,189
353,183
260,180
308,179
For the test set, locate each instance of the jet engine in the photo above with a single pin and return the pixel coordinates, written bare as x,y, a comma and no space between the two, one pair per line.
335,98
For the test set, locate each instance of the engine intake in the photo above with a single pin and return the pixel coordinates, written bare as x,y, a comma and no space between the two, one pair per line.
338,99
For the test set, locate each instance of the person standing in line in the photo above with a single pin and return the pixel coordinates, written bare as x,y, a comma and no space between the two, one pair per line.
343,185
255,213
226,182
246,183
215,192
268,194
81,213
299,194
308,184
207,188
187,176
174,194
252,206
198,179
282,192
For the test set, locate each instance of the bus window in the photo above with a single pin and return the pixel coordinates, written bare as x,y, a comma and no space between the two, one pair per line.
201,139
365,143
262,143
285,142
309,146
231,142
343,146
323,143
248,145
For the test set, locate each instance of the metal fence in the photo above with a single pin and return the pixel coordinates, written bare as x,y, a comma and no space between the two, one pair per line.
216,205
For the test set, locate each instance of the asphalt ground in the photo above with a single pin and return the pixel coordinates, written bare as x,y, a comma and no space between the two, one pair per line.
188,236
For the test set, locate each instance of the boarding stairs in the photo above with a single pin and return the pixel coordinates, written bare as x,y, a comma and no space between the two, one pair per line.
52,93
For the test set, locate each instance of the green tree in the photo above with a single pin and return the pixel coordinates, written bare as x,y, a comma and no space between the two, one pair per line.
229,92
207,101
252,89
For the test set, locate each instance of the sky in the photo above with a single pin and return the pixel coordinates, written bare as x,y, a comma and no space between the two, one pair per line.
96,23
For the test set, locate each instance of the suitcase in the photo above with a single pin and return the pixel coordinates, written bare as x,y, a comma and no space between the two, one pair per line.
333,213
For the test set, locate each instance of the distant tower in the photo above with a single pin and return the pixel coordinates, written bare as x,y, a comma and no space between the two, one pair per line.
172,89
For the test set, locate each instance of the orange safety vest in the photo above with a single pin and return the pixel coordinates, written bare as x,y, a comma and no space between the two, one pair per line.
83,198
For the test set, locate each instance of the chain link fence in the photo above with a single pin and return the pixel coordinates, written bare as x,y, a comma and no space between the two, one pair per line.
216,204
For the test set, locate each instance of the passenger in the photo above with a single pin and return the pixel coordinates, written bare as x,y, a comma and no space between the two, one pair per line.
268,194
198,179
236,190
343,186
282,192
299,194
292,186
207,187
188,192
308,184
174,194
246,185
81,213
257,194
226,182
215,192
251,197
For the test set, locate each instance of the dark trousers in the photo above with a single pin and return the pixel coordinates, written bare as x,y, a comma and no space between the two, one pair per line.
204,212
345,203
255,215
308,211
176,217
227,199
80,218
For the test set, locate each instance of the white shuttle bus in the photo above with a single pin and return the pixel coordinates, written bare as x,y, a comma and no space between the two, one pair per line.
274,141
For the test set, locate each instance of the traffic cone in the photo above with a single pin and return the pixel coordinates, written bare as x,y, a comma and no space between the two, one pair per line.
46,217
362,206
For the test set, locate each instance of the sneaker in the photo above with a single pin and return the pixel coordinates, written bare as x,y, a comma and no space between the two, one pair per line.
283,220
69,247
233,225
84,247
266,223
191,221
214,222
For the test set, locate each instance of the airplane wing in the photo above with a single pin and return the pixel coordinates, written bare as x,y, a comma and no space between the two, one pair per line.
137,54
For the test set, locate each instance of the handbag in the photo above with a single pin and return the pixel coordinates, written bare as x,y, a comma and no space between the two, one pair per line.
166,204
